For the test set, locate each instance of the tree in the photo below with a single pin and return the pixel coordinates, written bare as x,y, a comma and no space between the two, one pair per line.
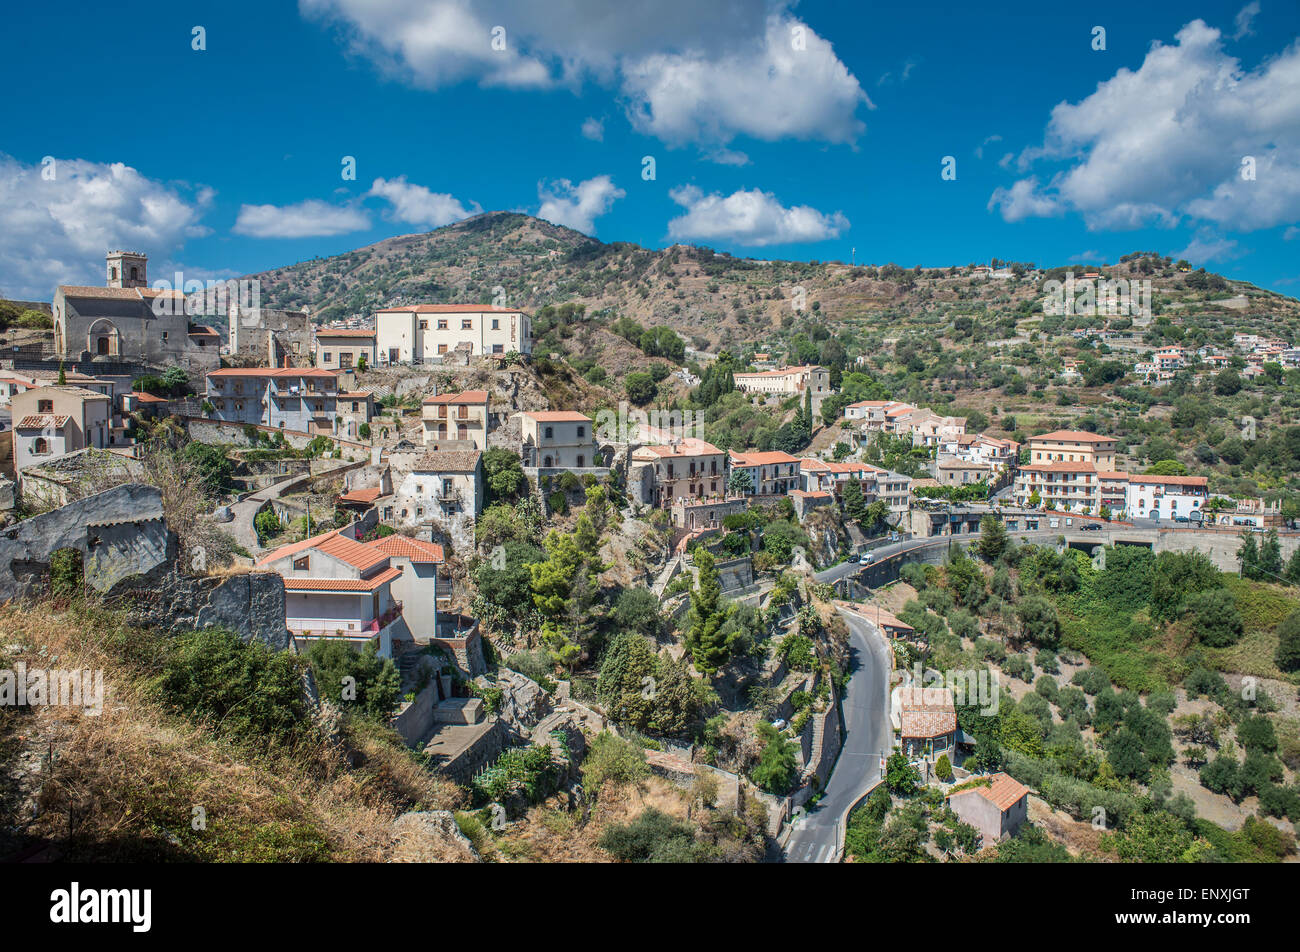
1292,573
359,680
1270,557
901,777
855,504
1287,656
993,537
1227,382
212,467
641,388
1038,620
503,474
1248,555
1213,618
705,639
741,482
776,768
943,768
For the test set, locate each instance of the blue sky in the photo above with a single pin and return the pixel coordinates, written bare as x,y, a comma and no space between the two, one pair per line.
777,130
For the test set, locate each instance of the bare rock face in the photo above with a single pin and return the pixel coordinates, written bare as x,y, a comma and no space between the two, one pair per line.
523,702
430,837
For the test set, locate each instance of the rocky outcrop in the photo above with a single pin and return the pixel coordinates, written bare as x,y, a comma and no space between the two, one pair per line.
251,605
523,702
430,837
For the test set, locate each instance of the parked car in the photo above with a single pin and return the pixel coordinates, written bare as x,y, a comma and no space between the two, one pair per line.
1181,519
1091,526
866,558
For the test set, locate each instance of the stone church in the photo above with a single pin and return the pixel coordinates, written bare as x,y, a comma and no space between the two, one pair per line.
129,322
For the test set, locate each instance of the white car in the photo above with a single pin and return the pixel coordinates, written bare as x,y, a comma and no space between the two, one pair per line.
866,558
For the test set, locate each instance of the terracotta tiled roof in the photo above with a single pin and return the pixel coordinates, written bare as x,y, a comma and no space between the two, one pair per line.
465,396
354,394
407,548
1003,792
142,397
41,420
1059,466
362,495
306,584
926,723
557,416
1073,436
1170,480
761,459
355,554
202,330
272,372
447,461
810,494
344,332
686,448
450,309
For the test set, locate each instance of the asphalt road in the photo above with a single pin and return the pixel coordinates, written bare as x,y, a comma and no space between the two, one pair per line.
865,705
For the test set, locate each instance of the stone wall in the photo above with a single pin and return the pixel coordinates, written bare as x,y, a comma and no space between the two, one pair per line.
250,604
120,533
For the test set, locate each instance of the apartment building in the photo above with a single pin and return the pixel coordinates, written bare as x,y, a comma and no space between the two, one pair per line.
462,417
338,588
1067,485
817,475
685,468
787,381
300,400
440,492
49,422
1167,497
773,473
341,348
416,589
1071,446
425,333
929,428
557,439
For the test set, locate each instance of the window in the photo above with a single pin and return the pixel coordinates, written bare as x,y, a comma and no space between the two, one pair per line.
550,432
44,406
581,463
303,564
582,431
442,324
496,323
329,357
40,446
424,325
467,324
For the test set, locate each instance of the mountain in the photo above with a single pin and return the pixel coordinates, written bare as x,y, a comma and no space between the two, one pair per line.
713,299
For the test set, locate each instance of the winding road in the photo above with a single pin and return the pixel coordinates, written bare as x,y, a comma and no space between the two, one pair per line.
817,836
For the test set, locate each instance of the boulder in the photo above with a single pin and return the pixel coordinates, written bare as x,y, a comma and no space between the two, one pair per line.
430,837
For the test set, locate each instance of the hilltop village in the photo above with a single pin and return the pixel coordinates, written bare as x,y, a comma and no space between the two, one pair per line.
555,615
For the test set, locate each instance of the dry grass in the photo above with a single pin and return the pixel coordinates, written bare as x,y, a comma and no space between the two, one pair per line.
134,782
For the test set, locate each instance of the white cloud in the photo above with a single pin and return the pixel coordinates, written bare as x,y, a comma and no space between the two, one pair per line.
312,218
1165,141
768,91
1291,234
417,205
1207,247
690,72
749,217
57,232
1024,199
989,140
593,129
1245,20
578,207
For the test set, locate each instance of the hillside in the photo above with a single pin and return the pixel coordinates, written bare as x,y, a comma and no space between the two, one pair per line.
712,299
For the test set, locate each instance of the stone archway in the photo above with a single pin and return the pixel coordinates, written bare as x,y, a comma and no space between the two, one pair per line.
103,339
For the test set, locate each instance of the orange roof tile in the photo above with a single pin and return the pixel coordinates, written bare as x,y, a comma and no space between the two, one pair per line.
465,396
1004,792
405,547
343,332
362,495
40,420
1170,480
450,309
355,554
305,584
761,459
557,416
1074,436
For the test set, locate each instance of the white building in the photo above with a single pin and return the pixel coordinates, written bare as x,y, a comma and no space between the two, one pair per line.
558,439
440,492
425,333
1166,497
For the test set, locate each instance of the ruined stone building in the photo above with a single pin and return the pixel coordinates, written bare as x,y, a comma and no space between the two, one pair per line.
269,337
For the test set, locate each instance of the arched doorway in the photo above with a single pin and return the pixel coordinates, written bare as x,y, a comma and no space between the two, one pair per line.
103,339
